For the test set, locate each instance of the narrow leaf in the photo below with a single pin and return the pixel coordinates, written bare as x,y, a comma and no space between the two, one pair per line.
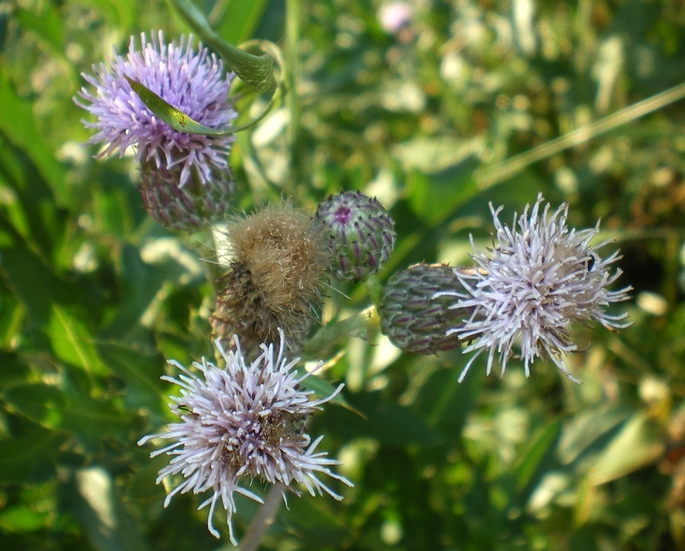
172,116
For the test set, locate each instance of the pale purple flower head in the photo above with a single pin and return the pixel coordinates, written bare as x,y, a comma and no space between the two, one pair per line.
393,17
192,81
539,277
240,423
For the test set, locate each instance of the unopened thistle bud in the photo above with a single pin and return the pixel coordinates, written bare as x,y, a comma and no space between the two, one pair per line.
275,280
189,207
359,232
411,318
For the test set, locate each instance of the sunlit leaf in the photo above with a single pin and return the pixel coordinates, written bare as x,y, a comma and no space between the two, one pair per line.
51,407
172,116
72,341
92,497
639,443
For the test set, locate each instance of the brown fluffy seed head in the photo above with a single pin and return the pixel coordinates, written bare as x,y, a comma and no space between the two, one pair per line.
276,279
187,208
359,231
411,318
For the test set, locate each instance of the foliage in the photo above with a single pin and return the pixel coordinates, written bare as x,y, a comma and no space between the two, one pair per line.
95,296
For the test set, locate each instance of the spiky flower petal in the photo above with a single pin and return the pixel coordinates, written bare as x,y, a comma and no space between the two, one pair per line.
412,318
192,81
537,280
244,422
359,231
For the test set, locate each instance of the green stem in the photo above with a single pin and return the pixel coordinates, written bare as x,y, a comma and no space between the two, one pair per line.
292,31
257,71
506,169
263,519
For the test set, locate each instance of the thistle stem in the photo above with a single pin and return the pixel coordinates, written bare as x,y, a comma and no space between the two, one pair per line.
263,519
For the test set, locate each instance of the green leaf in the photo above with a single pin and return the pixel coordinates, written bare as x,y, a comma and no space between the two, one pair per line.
30,457
18,124
172,116
13,372
92,497
445,402
239,20
639,443
434,196
33,281
23,518
141,371
72,341
139,284
587,429
69,409
541,450
328,340
30,203
256,71
391,424
47,24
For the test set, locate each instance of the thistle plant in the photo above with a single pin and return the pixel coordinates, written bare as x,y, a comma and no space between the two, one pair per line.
413,317
275,280
359,231
241,422
186,180
538,279
245,421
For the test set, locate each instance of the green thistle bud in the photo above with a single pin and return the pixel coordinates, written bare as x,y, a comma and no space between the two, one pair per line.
359,231
188,207
411,318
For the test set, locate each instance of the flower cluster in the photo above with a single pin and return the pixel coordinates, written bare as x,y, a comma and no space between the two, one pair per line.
247,420
538,279
243,422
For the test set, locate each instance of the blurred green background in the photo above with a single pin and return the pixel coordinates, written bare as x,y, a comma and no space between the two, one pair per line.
94,295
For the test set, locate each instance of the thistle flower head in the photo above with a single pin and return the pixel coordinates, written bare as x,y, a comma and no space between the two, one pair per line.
192,81
244,422
539,277
412,317
359,231
275,280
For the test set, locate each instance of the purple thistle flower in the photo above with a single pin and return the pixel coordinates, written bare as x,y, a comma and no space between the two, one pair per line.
534,283
192,81
243,422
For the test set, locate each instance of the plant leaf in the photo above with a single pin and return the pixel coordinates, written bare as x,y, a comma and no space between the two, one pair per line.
178,120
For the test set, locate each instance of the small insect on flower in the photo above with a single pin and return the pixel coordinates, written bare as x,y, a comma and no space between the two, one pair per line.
244,422
539,277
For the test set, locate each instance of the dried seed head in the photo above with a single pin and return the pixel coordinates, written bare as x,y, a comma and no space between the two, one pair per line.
275,280
359,231
411,318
